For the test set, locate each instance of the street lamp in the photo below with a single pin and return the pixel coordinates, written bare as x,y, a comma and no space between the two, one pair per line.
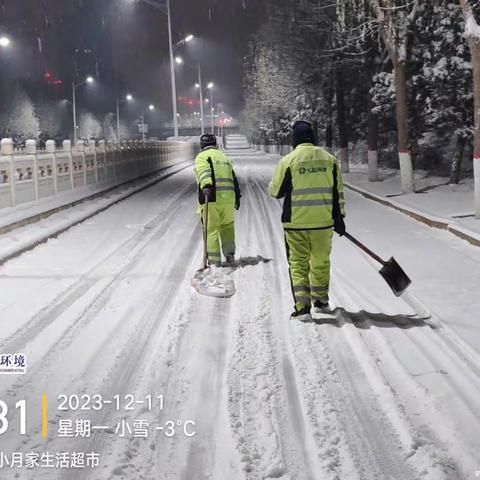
210,86
165,8
151,108
89,79
198,85
128,98
200,91
4,42
179,60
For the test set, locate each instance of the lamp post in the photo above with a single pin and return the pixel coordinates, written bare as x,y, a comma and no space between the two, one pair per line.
128,98
172,73
212,108
151,108
89,79
200,90
198,85
166,10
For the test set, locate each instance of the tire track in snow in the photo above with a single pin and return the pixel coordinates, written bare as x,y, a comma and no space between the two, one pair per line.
434,433
95,304
281,410
127,375
387,461
201,459
29,383
64,300
199,453
149,363
320,450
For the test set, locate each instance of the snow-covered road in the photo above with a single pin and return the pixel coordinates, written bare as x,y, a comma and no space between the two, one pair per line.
107,308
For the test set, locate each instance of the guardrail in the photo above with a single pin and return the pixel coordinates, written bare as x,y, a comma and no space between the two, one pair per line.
30,174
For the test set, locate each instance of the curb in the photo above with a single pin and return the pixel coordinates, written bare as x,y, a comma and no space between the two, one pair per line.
32,243
430,220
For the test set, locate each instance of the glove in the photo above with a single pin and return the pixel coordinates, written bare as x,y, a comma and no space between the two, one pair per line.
339,225
207,191
237,204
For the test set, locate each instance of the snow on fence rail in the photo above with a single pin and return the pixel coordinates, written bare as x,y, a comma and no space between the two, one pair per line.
30,174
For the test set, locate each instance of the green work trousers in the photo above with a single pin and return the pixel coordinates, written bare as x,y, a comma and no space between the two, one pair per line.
308,253
220,231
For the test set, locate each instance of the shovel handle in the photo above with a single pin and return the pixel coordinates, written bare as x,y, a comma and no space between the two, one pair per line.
364,248
205,234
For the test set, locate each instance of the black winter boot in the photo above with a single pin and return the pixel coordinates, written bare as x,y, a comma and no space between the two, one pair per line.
303,315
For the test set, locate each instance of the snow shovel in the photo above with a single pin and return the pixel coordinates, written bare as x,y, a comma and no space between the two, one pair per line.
391,271
210,281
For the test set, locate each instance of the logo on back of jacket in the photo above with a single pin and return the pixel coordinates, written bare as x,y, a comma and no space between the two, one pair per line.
222,162
307,170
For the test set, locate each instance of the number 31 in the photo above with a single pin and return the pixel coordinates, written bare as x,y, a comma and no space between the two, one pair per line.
22,406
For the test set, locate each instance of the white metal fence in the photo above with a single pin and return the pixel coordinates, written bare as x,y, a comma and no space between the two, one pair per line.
30,174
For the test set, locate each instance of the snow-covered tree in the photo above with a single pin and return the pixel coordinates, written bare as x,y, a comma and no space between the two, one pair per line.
49,119
17,114
90,127
441,82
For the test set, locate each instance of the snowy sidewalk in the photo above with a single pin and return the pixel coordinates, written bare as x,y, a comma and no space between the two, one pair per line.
444,206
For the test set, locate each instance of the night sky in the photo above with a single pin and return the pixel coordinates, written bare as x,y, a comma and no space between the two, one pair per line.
222,28
125,43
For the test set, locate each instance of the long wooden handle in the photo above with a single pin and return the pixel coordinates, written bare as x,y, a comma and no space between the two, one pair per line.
365,249
205,234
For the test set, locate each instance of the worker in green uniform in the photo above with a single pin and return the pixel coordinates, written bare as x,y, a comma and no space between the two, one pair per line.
310,182
216,181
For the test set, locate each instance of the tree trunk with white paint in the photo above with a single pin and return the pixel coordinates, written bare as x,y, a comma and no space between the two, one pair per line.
475,49
472,32
405,158
474,43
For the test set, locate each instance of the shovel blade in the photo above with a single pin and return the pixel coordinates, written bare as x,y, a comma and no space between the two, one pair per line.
396,278
213,284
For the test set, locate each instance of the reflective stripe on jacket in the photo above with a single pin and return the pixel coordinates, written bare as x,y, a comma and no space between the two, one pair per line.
213,167
310,181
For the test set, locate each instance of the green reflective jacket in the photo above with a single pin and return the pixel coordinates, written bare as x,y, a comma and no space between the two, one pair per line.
213,167
310,181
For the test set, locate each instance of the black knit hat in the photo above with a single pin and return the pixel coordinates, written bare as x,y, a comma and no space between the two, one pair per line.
208,140
302,132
